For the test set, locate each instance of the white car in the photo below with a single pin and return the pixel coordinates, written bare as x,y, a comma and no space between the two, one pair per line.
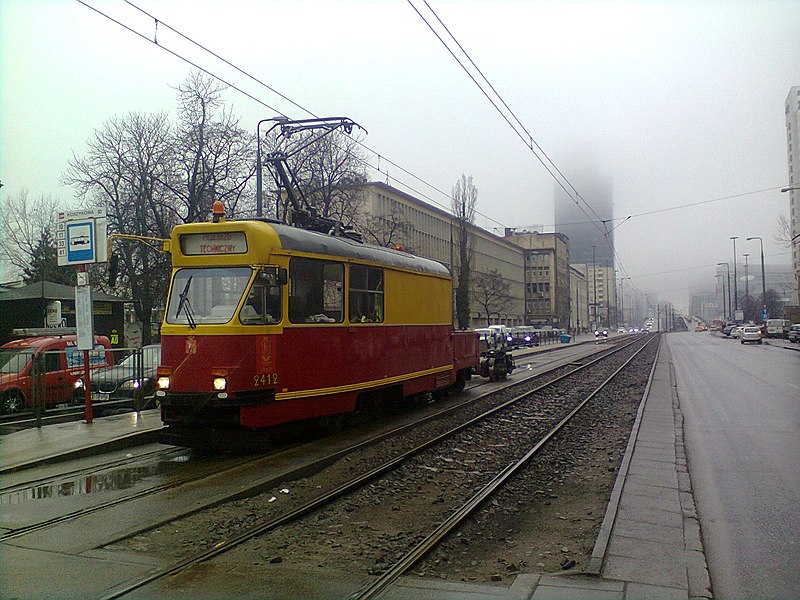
750,334
736,332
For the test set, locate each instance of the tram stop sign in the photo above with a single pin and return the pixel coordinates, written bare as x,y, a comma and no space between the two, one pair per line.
764,315
81,237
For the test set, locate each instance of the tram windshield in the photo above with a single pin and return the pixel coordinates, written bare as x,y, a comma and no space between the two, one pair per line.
206,295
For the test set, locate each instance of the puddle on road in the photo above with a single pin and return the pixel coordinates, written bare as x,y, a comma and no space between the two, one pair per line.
113,479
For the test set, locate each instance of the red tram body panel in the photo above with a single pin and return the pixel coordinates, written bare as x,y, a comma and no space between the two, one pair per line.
268,324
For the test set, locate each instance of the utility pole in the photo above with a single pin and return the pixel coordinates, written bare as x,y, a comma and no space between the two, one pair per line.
735,278
746,282
764,313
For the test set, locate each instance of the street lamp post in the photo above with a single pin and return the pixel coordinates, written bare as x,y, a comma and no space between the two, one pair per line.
735,284
728,269
594,288
764,312
746,278
622,298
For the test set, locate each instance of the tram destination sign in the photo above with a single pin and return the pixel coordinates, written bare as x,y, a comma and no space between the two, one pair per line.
226,242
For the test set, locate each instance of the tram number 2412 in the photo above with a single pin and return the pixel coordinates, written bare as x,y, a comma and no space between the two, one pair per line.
265,379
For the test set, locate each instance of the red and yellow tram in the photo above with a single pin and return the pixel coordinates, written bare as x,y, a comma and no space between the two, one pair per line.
267,323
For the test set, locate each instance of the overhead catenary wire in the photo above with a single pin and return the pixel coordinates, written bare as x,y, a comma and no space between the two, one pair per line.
178,56
403,170
530,142
237,88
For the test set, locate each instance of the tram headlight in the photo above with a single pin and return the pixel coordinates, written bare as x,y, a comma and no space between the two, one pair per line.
220,383
163,382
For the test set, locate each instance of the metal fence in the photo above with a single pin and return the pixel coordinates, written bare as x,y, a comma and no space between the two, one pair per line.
118,379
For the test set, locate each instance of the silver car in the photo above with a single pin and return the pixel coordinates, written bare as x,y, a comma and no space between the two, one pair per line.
750,334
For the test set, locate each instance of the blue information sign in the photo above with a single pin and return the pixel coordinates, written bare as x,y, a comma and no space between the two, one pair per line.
80,241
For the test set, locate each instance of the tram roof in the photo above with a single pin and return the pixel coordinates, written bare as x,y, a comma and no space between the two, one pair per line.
302,240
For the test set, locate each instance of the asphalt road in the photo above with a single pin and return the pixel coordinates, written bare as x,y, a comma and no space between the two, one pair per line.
741,407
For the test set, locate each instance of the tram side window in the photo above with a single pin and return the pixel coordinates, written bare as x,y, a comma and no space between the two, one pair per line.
315,291
366,294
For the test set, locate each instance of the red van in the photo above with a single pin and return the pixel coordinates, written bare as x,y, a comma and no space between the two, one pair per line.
61,365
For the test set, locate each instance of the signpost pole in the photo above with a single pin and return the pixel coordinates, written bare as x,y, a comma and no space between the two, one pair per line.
85,330
81,239
87,388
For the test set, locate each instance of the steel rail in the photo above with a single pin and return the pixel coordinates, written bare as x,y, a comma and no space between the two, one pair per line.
457,517
39,481
326,498
21,531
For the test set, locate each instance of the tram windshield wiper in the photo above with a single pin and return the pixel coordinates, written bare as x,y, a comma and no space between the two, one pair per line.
186,305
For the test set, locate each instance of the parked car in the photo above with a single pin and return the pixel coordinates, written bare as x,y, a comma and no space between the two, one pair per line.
61,364
134,379
777,328
794,333
751,333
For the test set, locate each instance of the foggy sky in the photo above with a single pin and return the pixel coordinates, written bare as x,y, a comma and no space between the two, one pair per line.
676,102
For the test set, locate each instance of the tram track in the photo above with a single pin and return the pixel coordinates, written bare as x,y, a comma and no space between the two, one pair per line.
128,464
384,466
467,509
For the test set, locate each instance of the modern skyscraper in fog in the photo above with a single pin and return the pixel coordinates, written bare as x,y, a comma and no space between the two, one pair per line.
583,232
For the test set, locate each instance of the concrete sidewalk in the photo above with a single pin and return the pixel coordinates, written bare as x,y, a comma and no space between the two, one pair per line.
52,443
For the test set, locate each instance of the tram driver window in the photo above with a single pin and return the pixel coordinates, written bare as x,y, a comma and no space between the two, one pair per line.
263,303
315,291
366,295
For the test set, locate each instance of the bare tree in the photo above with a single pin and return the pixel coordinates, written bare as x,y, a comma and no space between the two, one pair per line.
464,201
151,177
124,169
388,230
783,235
491,292
215,157
27,224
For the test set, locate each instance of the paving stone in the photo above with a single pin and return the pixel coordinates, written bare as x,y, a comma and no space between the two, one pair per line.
666,573
647,531
660,477
641,591
668,549
668,503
